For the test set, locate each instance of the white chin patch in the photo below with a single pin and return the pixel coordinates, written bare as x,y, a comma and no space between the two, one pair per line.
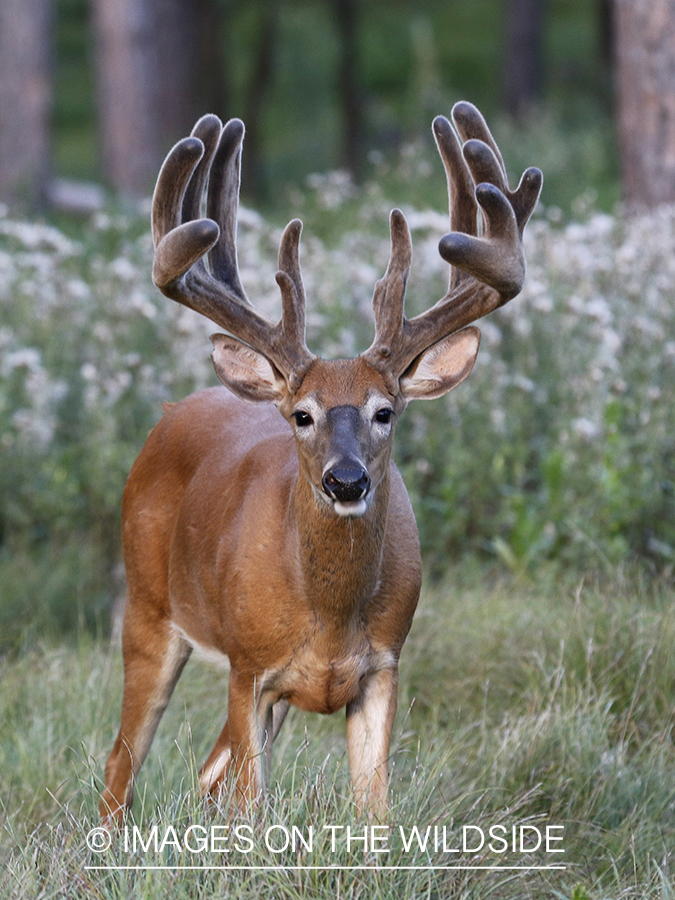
353,508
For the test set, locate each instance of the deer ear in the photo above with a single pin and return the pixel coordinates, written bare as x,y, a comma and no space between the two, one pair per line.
247,373
442,367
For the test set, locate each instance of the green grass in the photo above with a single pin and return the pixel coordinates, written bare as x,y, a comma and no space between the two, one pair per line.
519,704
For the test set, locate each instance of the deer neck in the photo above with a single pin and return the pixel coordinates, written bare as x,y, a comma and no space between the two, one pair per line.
340,557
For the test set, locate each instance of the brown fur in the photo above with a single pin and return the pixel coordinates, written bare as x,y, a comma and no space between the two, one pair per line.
224,541
239,536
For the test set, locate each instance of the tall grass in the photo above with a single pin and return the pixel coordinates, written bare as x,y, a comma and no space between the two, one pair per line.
518,706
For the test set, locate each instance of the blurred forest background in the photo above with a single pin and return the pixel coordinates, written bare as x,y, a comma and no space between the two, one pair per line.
558,455
99,89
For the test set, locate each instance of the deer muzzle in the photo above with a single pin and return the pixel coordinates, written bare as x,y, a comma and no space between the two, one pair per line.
346,480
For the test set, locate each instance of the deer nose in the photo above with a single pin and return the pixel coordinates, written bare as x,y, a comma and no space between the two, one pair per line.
346,483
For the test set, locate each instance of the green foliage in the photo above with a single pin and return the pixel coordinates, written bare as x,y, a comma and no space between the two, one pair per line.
84,372
575,452
579,893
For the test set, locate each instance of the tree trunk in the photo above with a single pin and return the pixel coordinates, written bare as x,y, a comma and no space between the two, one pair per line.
264,60
350,100
645,67
25,100
523,60
145,54
213,63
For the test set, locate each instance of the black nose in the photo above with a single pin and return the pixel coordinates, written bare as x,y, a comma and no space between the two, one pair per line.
346,483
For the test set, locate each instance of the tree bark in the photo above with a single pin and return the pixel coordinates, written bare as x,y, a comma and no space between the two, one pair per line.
145,55
523,59
212,61
264,61
346,15
25,100
645,69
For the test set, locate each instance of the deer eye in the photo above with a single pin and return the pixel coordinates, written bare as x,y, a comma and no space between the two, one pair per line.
302,418
384,415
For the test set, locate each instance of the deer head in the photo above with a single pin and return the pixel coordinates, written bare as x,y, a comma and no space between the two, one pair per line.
343,411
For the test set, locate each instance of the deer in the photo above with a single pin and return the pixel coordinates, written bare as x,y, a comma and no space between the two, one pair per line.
266,526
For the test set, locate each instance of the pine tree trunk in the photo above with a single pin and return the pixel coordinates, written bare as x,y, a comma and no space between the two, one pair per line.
145,54
25,100
263,64
523,55
645,66
346,15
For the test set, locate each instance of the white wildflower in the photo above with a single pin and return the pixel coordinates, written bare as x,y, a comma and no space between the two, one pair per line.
585,428
34,428
599,309
648,327
103,332
250,219
491,334
78,289
123,268
139,300
525,384
28,357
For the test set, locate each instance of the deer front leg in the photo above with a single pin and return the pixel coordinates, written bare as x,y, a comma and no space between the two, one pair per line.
153,662
214,771
244,746
370,718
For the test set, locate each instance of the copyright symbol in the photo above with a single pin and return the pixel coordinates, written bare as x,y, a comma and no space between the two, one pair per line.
99,839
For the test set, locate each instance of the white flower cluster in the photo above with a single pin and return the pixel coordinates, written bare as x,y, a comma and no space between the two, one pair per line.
585,357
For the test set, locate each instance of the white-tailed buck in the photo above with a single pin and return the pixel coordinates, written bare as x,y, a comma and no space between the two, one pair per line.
266,524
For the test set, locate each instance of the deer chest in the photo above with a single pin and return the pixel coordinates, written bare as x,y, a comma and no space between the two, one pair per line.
317,682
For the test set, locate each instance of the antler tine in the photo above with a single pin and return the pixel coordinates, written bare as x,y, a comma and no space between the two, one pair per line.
293,318
472,127
177,245
461,196
389,295
208,130
289,256
222,205
209,162
497,259
291,335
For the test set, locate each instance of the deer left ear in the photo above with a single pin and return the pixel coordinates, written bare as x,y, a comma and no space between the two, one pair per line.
247,373
442,367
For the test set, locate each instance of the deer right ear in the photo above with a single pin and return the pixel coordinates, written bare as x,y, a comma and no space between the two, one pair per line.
442,367
247,373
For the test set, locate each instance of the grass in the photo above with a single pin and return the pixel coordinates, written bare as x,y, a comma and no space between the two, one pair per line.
520,705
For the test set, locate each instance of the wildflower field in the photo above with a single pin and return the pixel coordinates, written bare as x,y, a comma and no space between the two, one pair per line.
538,684
560,448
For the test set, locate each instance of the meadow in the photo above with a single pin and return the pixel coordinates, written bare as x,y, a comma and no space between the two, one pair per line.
537,685
519,708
